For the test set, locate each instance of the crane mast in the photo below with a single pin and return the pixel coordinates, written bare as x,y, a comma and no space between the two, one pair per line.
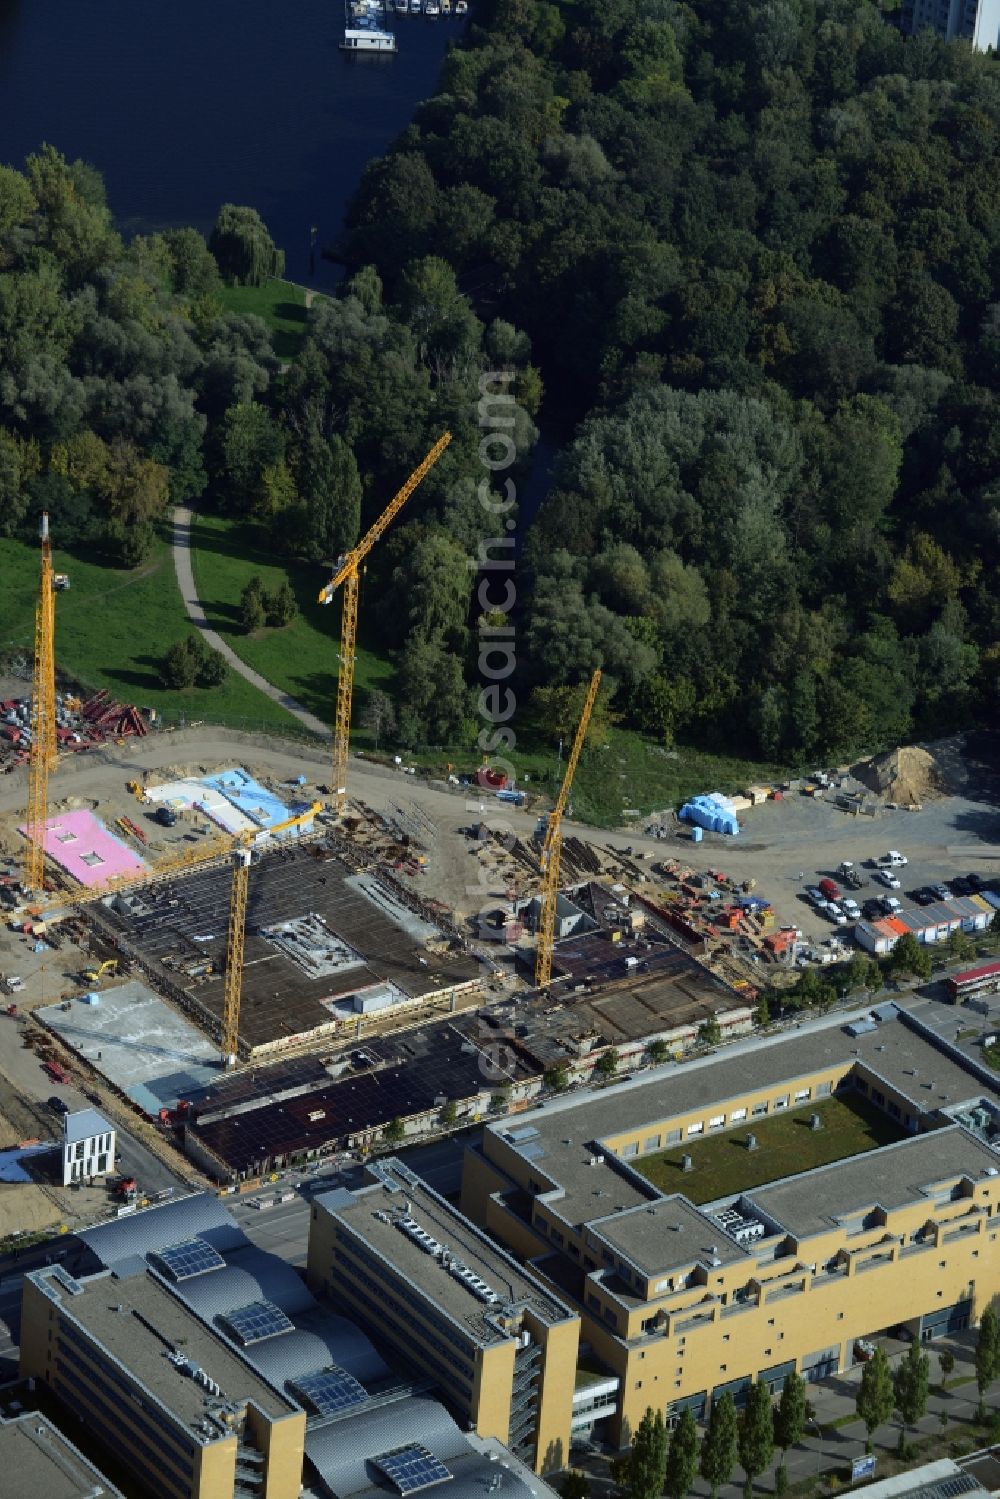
552,847
42,755
347,574
239,894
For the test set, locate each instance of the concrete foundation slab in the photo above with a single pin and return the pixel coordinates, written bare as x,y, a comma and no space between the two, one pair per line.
143,1047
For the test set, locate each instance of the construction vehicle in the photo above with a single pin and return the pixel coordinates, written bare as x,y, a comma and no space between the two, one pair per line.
552,847
233,984
94,975
42,754
348,574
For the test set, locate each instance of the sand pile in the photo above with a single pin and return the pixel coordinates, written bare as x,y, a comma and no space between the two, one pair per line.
906,776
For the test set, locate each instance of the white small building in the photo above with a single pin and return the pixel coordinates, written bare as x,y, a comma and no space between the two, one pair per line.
88,1146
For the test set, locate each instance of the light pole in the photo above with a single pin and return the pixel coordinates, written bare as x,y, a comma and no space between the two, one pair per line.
819,1451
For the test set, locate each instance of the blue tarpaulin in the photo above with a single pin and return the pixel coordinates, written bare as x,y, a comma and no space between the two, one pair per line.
712,812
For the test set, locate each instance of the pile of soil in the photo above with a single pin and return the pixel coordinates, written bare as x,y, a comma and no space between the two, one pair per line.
906,776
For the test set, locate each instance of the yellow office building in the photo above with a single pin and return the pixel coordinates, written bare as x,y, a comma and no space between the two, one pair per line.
424,1282
173,1402
685,1302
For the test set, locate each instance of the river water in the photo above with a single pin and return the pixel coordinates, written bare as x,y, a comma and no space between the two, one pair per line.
186,104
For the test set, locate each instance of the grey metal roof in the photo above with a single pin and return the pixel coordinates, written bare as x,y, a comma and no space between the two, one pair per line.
248,1275
341,1450
156,1227
320,1338
83,1124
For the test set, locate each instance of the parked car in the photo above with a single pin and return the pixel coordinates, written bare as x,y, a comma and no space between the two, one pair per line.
924,896
817,898
829,889
888,879
940,892
58,1105
891,905
872,910
850,908
836,915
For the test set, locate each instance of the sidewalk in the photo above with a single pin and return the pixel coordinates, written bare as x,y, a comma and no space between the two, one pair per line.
181,548
837,1436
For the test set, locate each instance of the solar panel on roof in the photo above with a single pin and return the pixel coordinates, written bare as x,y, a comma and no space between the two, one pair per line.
191,1257
950,1488
411,1468
259,1320
330,1390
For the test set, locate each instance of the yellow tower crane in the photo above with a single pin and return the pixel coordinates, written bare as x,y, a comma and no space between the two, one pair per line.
347,574
552,847
233,988
42,754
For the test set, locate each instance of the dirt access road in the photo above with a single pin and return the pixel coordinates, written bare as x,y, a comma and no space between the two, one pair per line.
785,844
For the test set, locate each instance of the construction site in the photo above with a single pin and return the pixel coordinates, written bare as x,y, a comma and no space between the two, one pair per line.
245,955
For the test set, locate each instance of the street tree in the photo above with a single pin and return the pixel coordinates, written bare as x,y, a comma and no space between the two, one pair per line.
911,1383
987,1356
647,1462
395,1131
682,1458
946,1363
607,1063
875,1399
710,1033
718,1447
790,1416
658,1051
557,1078
755,1435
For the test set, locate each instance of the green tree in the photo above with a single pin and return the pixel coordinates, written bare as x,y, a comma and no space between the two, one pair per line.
911,1385
557,1078
875,1399
181,663
379,714
910,956
281,605
574,1485
647,1461
682,1458
719,1445
394,1132
755,1435
449,1114
212,668
987,1355
253,611
790,1413
607,1063
946,1363
658,1051
244,251
710,1032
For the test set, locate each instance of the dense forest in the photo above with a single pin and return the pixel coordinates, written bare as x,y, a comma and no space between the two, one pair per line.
753,244
741,260
126,387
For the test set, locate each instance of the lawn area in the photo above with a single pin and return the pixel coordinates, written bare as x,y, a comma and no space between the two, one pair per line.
281,304
786,1145
301,658
112,629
